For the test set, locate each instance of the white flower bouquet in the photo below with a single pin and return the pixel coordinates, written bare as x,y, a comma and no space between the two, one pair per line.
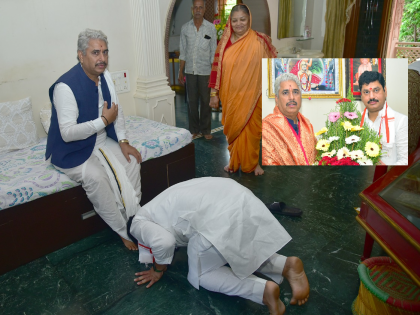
343,141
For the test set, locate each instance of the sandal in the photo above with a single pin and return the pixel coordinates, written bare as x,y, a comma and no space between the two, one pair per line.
282,208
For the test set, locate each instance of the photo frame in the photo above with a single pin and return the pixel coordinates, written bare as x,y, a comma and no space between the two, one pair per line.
356,66
320,77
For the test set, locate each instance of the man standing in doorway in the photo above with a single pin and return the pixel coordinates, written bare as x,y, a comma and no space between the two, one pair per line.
197,48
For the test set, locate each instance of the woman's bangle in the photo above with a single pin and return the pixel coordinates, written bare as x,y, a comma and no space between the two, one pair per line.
107,123
213,94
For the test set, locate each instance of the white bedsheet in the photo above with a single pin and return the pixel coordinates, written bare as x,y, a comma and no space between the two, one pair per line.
26,176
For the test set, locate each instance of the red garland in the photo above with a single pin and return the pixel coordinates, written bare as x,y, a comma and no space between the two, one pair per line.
334,161
343,100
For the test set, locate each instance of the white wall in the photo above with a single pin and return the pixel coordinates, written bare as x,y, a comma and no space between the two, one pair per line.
181,14
39,44
314,18
316,109
164,6
180,17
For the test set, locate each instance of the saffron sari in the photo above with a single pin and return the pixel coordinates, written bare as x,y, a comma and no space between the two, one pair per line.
281,145
236,73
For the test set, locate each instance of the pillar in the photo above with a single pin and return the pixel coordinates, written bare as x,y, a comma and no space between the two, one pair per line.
153,98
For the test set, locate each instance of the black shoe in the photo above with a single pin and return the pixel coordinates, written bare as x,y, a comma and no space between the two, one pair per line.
282,208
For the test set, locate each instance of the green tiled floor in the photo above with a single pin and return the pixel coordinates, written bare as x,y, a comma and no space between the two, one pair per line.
95,275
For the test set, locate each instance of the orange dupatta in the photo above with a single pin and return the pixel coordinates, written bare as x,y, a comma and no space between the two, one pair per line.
282,146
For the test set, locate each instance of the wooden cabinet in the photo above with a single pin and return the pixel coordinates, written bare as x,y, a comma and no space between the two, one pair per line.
390,214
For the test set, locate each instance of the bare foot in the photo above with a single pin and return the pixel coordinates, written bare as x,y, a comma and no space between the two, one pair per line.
271,298
227,169
129,244
208,137
258,170
194,135
294,273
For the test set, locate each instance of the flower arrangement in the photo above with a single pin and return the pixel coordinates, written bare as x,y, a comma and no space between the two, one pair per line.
343,142
220,26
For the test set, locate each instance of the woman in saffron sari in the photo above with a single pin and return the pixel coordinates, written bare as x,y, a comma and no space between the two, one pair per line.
236,79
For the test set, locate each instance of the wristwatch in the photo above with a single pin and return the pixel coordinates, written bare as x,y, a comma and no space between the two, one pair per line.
124,141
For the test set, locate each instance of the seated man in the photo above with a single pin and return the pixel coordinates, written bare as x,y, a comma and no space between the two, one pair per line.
87,140
392,125
220,222
287,136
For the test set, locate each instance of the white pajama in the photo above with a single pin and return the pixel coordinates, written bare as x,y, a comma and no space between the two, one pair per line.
206,266
92,175
223,280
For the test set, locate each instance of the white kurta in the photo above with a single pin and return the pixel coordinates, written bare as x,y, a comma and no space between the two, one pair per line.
91,174
214,215
394,152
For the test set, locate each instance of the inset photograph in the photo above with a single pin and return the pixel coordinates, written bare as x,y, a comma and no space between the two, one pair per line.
319,111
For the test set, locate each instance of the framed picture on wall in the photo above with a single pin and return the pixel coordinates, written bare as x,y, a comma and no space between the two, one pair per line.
356,66
319,77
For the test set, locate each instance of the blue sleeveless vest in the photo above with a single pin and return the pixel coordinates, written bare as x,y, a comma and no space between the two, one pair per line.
74,153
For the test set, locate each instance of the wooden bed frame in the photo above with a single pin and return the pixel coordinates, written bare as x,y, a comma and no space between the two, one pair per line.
34,229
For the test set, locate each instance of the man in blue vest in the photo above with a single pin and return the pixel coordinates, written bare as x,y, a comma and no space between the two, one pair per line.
87,133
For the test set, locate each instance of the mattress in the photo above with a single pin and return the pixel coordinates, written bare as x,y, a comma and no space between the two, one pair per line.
26,176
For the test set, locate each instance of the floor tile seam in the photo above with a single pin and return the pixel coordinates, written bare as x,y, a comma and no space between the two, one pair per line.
70,287
332,242
341,307
156,305
323,223
114,303
81,252
122,297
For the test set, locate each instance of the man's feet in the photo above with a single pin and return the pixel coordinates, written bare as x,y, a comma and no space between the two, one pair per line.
208,137
258,170
194,135
294,273
271,298
129,244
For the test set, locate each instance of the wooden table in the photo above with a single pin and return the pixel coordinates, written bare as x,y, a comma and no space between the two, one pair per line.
390,214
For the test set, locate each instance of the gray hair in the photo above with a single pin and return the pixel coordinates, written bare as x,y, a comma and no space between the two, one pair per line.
198,0
85,36
283,78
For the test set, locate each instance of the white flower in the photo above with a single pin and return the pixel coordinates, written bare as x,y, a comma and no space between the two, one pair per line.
355,155
331,139
352,139
329,154
343,153
365,161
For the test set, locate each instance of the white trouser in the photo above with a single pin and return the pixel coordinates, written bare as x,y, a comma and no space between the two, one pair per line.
91,174
223,280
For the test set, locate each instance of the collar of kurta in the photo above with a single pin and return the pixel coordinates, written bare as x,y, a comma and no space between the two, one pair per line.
384,114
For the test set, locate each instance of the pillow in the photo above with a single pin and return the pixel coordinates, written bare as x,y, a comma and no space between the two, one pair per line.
17,127
45,115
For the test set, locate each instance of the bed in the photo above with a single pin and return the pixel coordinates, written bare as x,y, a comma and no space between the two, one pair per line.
42,210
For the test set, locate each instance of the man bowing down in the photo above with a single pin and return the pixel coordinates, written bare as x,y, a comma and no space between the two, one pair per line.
221,222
